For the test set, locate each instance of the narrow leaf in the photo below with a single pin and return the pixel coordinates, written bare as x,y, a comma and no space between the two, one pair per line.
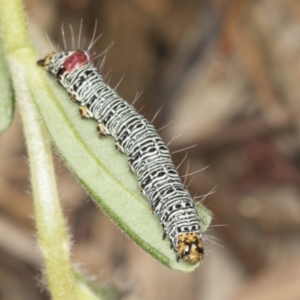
103,171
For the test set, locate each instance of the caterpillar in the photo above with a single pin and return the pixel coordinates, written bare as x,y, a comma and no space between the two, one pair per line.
135,136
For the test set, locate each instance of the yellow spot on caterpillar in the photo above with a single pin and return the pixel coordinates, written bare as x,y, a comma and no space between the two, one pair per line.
46,61
118,147
101,129
190,247
83,112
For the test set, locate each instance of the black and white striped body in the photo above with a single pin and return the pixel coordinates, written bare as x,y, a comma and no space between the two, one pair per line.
147,154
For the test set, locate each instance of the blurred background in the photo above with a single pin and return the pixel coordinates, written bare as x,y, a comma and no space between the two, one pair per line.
226,74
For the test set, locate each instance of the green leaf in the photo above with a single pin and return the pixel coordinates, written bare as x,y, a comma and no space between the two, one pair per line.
104,172
6,95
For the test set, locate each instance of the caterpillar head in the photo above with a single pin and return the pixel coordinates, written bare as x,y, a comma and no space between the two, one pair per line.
57,63
190,247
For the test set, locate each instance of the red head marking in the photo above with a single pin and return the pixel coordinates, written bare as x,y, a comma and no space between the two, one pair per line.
77,59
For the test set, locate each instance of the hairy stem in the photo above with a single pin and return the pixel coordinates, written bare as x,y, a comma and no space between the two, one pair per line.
51,230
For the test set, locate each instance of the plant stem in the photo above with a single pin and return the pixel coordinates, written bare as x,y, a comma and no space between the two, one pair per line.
51,229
